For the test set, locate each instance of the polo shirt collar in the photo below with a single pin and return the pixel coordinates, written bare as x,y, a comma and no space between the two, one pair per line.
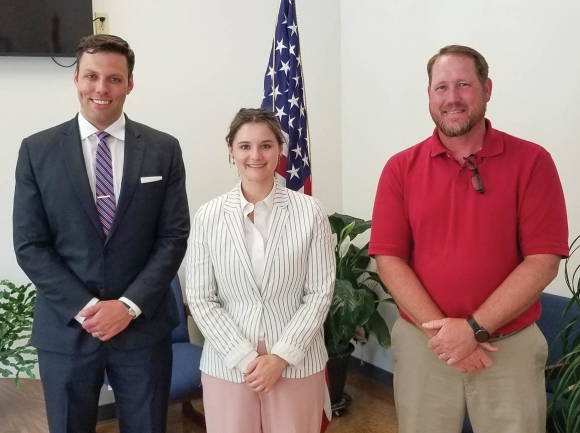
492,142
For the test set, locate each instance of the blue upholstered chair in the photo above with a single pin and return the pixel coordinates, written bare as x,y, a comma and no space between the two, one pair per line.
186,376
550,323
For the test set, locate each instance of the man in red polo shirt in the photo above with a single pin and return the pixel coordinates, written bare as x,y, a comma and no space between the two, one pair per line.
469,226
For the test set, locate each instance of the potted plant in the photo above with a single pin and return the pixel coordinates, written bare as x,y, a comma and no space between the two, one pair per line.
353,312
564,409
16,310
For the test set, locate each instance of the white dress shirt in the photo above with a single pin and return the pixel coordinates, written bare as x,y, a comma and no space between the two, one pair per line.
116,144
256,235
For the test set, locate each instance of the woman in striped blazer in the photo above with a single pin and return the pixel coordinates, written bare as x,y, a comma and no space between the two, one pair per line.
260,278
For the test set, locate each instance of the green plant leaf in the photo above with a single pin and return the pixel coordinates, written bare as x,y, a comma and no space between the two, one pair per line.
357,257
339,221
341,320
565,405
373,276
16,314
377,326
336,223
354,303
366,307
360,227
346,231
370,291
388,301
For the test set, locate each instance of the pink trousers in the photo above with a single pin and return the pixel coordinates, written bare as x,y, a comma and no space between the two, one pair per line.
291,406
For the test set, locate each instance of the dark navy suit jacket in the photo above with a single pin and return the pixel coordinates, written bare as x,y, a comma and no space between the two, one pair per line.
60,244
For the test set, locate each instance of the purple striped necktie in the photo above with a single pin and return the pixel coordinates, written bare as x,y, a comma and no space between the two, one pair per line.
104,185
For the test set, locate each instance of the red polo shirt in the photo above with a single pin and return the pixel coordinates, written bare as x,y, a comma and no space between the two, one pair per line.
460,243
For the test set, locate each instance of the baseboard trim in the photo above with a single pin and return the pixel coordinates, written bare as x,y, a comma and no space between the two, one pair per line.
371,371
107,412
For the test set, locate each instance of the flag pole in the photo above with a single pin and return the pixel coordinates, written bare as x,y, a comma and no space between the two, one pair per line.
305,104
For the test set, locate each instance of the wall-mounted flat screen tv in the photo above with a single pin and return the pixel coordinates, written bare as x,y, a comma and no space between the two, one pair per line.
49,28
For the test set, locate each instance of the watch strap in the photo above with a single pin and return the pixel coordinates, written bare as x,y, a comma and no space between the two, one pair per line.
473,323
479,332
130,311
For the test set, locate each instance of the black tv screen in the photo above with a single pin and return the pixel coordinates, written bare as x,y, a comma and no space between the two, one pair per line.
44,27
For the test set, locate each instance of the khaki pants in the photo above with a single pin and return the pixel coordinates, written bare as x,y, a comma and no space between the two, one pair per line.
432,397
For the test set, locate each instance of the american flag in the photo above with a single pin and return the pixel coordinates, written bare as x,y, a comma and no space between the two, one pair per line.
284,95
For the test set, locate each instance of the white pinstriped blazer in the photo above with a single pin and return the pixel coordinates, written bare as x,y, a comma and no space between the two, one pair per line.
297,288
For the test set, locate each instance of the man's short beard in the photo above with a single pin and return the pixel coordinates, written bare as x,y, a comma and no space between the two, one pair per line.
455,130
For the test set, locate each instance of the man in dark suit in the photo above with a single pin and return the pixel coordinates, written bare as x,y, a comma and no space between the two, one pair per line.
100,227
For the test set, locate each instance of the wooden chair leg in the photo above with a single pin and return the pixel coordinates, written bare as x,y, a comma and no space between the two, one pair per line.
190,412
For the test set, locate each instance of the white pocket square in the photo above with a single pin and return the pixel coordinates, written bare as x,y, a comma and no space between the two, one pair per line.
151,179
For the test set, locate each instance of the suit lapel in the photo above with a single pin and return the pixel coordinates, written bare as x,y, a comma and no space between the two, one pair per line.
279,220
72,153
134,154
233,219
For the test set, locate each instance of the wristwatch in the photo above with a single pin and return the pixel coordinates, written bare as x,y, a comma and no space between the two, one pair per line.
130,311
480,334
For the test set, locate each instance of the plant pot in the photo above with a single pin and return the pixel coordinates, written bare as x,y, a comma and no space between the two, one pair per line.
337,367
